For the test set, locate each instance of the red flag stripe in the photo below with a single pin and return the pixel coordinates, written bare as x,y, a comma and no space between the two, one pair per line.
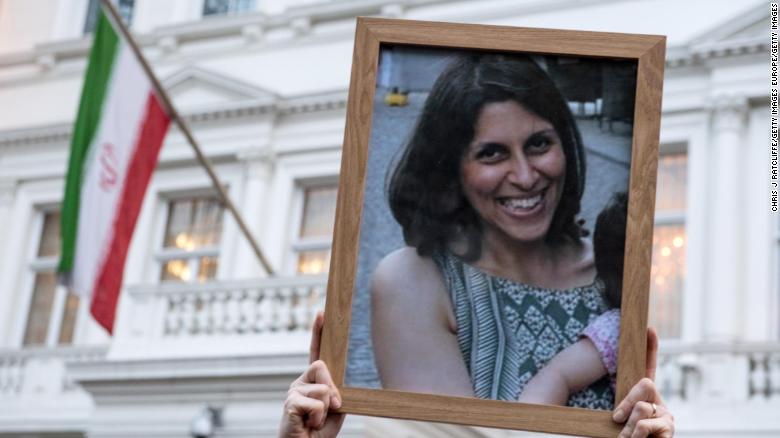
144,159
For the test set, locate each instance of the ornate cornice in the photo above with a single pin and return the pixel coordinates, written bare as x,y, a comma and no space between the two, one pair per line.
230,111
251,26
55,133
698,54
59,133
327,101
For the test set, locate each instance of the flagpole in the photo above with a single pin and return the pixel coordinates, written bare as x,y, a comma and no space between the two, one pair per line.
174,115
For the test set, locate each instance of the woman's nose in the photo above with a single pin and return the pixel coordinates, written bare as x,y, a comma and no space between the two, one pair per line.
522,173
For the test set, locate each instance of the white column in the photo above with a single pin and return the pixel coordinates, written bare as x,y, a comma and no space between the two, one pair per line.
258,166
69,19
7,190
760,294
149,14
721,299
186,10
17,219
7,193
728,139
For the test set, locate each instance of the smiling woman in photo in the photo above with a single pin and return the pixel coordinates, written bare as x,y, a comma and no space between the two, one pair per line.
497,275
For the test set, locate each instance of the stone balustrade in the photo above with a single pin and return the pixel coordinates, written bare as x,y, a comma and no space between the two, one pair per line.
41,370
234,308
251,317
273,316
747,372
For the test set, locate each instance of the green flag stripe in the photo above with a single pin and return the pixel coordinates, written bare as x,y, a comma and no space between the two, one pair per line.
101,60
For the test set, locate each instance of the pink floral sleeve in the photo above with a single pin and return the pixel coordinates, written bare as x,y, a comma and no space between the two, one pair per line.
604,332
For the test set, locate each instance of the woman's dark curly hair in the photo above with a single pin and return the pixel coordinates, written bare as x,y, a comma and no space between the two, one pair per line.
609,239
425,190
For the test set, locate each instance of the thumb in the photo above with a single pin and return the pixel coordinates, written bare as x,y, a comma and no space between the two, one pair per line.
651,360
332,424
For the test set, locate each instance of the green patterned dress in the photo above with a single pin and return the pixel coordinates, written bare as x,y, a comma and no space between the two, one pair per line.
507,330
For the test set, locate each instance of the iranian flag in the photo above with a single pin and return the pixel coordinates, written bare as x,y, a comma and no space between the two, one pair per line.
116,141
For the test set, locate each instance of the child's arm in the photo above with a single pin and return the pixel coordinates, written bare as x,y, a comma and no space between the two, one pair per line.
571,370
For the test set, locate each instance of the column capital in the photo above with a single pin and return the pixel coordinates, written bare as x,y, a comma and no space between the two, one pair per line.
392,10
301,25
7,190
729,112
258,160
252,33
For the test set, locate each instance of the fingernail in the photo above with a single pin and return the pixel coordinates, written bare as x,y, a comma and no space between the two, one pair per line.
618,416
335,402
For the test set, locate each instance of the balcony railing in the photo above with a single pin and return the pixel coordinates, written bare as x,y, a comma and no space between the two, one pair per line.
273,316
726,372
237,317
41,369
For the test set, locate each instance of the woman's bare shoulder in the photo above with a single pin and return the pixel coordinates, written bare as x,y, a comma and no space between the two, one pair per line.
403,257
406,279
405,265
409,299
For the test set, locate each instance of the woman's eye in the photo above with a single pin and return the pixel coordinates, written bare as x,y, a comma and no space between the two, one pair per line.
538,144
491,152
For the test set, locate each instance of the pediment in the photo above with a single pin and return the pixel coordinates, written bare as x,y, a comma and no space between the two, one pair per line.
195,87
751,24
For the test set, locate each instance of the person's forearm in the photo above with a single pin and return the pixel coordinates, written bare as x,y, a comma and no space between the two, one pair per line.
546,387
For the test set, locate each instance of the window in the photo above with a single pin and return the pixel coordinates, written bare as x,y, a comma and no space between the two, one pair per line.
124,7
669,241
227,7
51,318
191,244
313,242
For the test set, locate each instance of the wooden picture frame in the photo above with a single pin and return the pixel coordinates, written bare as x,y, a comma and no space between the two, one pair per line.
371,33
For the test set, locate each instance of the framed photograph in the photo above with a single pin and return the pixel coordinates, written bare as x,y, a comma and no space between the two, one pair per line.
492,247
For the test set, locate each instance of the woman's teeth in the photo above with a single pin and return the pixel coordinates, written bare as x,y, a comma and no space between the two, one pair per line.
521,203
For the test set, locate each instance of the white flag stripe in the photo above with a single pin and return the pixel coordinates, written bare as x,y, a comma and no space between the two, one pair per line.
106,167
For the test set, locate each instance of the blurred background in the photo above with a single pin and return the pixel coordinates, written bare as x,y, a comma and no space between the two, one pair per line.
206,344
